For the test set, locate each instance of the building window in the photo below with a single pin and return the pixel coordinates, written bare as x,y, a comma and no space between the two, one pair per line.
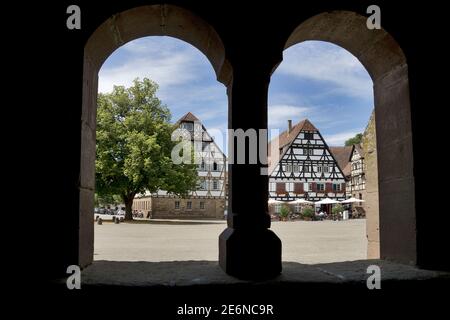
189,205
295,168
320,187
336,187
288,168
202,185
297,208
202,205
305,168
272,186
307,152
277,207
188,126
202,165
309,136
177,205
215,185
215,166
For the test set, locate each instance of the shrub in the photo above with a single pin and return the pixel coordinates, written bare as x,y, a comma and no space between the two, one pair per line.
337,209
308,212
284,211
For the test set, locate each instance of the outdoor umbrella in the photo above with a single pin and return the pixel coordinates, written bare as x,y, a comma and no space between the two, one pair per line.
302,201
273,201
327,201
351,200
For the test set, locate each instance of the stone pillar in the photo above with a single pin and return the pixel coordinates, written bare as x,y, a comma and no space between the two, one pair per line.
371,205
86,185
247,248
397,219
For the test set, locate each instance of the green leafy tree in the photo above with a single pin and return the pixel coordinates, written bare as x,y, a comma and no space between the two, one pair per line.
355,140
108,199
134,146
284,211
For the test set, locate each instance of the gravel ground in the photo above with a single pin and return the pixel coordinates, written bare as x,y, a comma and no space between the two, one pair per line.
304,242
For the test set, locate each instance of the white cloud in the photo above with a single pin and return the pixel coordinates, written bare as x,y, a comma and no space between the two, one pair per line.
338,139
212,113
279,114
320,61
164,70
186,79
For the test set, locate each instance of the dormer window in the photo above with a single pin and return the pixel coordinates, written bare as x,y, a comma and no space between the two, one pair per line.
188,126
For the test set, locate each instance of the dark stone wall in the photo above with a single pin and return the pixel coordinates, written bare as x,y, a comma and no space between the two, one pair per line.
254,36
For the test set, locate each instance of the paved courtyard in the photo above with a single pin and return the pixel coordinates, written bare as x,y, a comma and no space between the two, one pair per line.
304,242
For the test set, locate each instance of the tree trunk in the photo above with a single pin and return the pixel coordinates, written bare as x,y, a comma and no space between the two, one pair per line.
128,200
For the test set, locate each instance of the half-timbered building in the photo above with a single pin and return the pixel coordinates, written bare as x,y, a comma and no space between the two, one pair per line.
301,166
356,185
343,157
208,200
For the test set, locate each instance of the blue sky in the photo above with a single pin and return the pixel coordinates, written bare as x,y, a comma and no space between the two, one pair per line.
316,80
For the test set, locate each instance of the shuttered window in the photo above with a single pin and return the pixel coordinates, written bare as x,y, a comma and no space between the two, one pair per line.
298,187
281,187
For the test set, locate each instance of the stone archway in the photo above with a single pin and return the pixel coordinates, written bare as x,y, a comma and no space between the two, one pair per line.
391,233
152,20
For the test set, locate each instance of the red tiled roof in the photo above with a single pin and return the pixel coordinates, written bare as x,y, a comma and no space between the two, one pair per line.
342,156
188,117
285,139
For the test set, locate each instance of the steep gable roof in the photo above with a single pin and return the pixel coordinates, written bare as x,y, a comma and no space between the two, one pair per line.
358,148
285,139
347,171
342,155
188,117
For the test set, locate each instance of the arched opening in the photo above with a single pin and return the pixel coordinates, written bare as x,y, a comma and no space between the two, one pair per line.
319,110
162,225
156,20
395,230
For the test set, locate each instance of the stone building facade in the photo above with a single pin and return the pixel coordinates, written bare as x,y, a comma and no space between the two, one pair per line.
180,208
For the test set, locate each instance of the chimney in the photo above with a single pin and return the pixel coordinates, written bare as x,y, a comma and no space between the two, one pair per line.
289,126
